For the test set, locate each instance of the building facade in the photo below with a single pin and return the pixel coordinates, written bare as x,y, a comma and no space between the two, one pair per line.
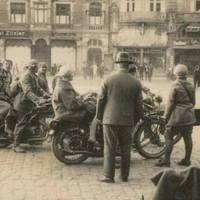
72,32
63,32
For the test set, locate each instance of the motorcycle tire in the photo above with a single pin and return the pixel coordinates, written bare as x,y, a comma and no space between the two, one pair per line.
63,146
149,139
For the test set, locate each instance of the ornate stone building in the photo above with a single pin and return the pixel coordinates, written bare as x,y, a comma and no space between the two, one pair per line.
70,32
67,32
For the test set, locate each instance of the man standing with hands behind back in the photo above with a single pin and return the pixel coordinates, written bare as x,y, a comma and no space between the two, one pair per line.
119,107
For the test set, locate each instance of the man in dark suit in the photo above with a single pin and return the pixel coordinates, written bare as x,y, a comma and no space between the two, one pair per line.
24,102
119,107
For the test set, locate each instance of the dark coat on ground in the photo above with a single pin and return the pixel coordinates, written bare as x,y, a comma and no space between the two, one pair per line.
177,184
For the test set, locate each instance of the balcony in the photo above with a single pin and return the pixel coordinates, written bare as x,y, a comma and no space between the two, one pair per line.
188,17
96,27
142,17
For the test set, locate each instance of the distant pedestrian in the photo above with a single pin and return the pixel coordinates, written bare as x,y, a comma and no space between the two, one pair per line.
196,76
119,108
179,115
141,72
84,70
101,70
94,67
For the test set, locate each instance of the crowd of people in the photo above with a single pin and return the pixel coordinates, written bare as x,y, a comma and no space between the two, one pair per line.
18,97
119,108
93,70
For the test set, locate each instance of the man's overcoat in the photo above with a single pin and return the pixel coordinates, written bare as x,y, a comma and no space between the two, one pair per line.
120,100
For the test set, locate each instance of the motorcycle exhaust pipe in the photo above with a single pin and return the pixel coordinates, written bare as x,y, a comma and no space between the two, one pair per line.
83,152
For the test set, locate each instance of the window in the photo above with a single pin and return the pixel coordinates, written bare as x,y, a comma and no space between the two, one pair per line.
40,13
198,5
95,13
155,5
63,14
151,7
130,5
158,7
17,11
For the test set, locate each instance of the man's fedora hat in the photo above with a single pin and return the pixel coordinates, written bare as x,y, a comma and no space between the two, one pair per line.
123,57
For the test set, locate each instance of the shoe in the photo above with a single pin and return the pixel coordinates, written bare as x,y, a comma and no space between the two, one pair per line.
107,180
162,163
124,179
184,163
18,149
94,143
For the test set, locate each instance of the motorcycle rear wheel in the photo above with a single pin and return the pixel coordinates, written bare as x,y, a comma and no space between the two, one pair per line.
63,143
149,139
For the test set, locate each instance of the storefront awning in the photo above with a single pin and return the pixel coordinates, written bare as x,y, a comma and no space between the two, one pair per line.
187,47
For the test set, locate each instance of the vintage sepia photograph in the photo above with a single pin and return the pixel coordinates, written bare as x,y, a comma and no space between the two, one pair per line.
99,99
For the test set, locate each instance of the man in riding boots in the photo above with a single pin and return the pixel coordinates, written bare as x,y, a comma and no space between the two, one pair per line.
119,108
24,102
180,116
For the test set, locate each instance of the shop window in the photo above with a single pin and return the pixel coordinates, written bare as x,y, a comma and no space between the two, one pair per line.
96,14
40,13
17,11
155,5
63,14
198,5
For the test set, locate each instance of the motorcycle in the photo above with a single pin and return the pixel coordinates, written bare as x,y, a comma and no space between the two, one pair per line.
36,131
71,145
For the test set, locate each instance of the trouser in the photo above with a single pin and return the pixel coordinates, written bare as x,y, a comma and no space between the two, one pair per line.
93,126
186,132
22,122
8,115
113,135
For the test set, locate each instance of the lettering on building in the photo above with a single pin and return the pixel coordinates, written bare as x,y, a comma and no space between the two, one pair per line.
13,33
180,43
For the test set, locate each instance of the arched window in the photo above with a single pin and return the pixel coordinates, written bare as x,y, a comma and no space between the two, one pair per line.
95,13
94,42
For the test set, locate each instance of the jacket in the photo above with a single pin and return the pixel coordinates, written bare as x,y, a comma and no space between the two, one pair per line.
43,82
65,101
179,110
30,93
120,100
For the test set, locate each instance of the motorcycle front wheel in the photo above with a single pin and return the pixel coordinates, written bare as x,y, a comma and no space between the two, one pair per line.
66,143
149,138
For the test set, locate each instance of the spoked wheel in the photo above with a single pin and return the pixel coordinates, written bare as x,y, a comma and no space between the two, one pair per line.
149,139
67,144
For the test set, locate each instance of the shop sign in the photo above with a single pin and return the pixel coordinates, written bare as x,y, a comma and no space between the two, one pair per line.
180,43
13,33
195,41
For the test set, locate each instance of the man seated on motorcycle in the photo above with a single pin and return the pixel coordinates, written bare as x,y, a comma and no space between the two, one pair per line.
67,103
7,115
30,95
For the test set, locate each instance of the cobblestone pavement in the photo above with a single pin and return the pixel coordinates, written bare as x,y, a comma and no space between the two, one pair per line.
38,175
